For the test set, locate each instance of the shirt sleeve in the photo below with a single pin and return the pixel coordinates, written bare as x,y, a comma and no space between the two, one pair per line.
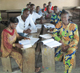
19,30
37,16
52,19
56,30
75,38
32,23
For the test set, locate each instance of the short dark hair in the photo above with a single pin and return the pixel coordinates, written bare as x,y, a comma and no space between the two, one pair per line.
55,6
44,4
13,20
25,9
64,12
32,5
37,6
27,4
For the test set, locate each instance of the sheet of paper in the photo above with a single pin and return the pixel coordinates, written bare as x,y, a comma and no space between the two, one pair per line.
49,25
46,36
51,43
28,43
33,31
48,40
38,26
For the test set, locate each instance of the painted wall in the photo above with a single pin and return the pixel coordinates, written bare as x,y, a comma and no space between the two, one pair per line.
19,4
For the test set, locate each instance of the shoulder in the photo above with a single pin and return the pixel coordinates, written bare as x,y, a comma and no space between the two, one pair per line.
58,25
73,26
19,17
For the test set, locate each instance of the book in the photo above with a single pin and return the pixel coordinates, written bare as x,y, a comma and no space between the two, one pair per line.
46,36
49,25
51,43
28,43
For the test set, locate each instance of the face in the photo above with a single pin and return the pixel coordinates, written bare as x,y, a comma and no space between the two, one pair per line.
64,18
49,4
28,6
38,9
56,10
44,6
26,14
33,8
49,9
13,25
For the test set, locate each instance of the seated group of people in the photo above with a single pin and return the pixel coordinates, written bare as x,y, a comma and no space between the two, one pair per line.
65,32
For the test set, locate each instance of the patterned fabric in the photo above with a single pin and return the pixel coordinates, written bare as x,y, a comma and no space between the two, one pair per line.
55,18
18,58
69,36
7,39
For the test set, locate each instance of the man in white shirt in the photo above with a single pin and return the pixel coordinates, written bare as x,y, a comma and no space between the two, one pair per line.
33,14
24,21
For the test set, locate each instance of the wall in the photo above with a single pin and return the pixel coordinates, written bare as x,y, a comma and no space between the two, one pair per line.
19,4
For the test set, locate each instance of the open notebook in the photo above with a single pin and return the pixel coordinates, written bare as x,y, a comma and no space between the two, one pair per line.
51,43
28,43
46,36
49,25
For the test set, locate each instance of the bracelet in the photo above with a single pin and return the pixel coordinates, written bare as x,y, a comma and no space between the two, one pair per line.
13,45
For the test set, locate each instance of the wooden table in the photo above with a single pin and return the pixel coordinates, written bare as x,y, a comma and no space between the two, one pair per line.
48,61
29,56
29,60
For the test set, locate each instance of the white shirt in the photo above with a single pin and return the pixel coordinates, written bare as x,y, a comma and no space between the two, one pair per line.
35,16
20,27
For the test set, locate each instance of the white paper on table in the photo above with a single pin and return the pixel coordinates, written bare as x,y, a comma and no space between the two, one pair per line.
28,43
49,25
51,43
33,31
46,36
48,40
38,26
24,42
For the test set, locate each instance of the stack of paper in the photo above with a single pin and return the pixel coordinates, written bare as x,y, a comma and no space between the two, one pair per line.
46,36
28,43
49,25
51,43
38,26
33,31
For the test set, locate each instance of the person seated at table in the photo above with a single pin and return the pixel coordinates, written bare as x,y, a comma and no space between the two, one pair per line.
56,16
24,21
50,4
38,10
8,46
69,37
33,14
48,13
44,7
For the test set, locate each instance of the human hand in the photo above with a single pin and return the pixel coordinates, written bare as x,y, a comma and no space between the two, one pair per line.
18,45
27,31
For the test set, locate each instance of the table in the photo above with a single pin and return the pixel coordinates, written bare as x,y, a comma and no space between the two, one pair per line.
29,56
29,60
48,61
